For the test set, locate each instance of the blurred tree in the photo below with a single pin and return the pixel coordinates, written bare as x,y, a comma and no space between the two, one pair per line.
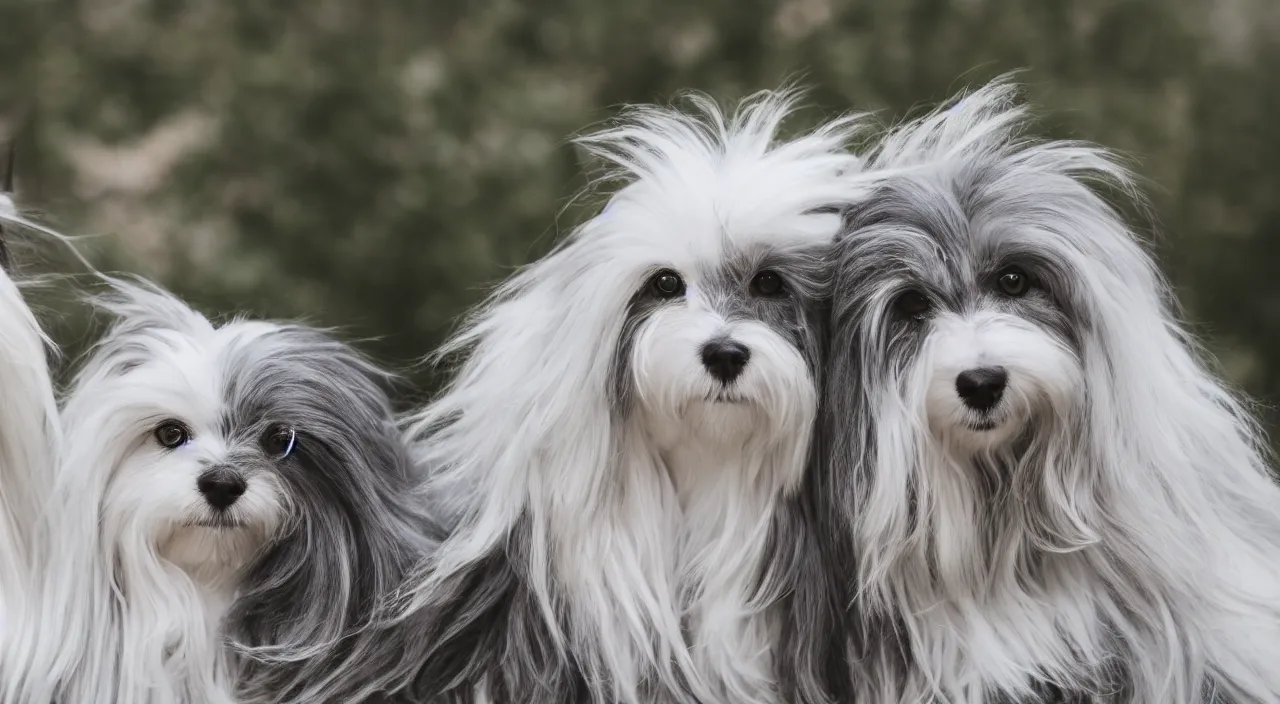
376,165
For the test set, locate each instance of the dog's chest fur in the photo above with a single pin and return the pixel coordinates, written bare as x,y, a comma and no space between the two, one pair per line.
725,501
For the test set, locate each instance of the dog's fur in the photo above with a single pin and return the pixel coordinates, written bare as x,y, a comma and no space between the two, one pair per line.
615,500
1109,531
146,573
29,439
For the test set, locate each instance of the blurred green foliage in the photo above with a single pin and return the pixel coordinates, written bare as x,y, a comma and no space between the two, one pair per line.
376,165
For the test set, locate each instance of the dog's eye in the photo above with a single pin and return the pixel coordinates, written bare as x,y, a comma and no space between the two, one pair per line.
1013,282
172,434
911,304
666,284
278,441
767,283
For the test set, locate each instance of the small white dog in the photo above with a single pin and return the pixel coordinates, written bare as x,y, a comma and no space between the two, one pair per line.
633,414
236,480
1044,493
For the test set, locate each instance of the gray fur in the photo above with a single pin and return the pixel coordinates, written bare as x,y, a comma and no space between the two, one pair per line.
306,602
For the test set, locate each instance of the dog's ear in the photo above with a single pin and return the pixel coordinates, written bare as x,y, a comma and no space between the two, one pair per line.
7,166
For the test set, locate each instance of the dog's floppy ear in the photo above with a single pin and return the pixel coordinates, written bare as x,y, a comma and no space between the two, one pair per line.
7,161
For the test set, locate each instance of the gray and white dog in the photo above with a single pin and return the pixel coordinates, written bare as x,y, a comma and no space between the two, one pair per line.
245,480
630,422
1032,487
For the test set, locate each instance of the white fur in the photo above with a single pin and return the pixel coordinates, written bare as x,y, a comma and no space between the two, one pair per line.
727,463
29,438
1042,376
137,588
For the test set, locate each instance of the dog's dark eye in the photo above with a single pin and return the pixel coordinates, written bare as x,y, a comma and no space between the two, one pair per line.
666,284
1013,282
911,304
172,434
767,283
278,441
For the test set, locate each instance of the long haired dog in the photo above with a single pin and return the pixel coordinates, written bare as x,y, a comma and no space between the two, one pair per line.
1048,495
633,410
246,480
29,433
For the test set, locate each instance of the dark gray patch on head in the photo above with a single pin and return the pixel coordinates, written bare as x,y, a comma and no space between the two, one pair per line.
795,313
333,398
357,526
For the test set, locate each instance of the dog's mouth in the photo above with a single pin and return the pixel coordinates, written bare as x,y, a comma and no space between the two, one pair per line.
217,523
984,421
725,395
982,425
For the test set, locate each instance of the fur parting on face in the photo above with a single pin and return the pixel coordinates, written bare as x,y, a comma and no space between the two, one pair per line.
244,481
1036,488
29,439
631,418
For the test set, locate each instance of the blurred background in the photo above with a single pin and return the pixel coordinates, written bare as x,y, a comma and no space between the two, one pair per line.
377,165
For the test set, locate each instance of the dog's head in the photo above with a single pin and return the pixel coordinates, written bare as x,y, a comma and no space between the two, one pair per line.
688,307
726,346
189,470
719,240
217,440
990,316
966,302
973,286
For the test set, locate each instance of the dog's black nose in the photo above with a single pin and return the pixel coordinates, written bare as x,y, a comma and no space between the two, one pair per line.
221,487
981,388
725,359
